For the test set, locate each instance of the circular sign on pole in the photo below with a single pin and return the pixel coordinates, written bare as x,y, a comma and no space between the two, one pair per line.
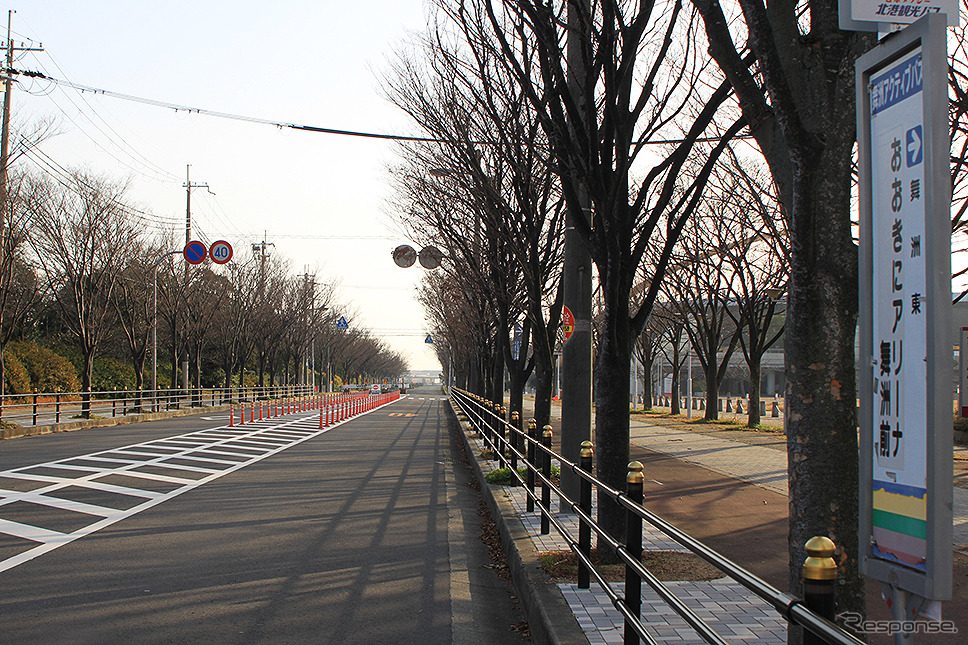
195,252
430,257
220,252
567,323
404,256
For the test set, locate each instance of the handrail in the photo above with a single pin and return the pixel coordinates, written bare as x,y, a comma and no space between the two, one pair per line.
52,408
791,608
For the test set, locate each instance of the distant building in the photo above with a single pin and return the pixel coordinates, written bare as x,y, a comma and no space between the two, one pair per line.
422,377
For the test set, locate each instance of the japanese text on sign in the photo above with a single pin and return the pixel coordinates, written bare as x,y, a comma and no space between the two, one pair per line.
899,324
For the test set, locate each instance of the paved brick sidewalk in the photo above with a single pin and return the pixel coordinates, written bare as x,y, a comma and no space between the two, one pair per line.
729,609
758,465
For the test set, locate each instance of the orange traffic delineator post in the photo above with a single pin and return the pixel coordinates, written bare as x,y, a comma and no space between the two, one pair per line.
232,416
242,415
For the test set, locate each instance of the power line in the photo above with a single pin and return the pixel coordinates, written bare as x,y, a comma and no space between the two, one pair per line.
68,180
294,126
226,115
147,167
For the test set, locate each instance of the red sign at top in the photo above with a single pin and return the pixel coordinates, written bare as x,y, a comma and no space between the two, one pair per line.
567,323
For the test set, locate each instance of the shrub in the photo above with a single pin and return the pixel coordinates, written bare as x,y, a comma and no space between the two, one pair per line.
111,374
47,370
15,376
503,476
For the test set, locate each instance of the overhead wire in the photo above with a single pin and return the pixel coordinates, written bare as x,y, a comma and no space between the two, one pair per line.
143,165
283,124
66,178
134,153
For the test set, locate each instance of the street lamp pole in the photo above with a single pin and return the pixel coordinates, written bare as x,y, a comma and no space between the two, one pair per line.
154,323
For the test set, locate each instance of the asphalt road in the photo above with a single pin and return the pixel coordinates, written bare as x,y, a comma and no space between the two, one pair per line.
185,531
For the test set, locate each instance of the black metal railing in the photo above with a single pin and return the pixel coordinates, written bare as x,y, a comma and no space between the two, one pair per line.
51,408
504,439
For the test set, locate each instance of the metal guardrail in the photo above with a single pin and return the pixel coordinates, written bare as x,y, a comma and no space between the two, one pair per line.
512,445
51,408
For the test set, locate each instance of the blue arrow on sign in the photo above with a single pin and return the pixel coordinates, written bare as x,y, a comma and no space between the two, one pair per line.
342,324
915,146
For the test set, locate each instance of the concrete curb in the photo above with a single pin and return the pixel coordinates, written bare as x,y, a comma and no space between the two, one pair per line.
550,619
70,426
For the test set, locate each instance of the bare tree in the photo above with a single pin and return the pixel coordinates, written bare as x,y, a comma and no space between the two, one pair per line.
496,146
757,261
82,236
958,113
792,70
133,304
18,282
697,288
632,74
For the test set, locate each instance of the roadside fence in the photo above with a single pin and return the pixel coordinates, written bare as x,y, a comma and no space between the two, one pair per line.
514,446
49,408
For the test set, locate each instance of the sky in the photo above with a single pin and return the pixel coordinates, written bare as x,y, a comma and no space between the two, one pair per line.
322,200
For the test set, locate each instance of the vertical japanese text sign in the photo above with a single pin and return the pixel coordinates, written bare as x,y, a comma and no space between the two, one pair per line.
905,311
963,369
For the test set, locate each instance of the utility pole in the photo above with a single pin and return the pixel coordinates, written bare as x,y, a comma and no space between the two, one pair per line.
6,261
188,185
309,313
7,76
260,248
576,356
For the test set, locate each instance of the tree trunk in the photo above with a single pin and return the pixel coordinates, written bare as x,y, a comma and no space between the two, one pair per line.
87,375
647,384
676,378
821,392
712,390
612,418
754,393
139,377
543,386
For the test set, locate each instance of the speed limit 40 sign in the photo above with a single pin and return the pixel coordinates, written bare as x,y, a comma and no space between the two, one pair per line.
220,252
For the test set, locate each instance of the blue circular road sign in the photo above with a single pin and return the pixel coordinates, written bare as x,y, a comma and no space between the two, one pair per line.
194,252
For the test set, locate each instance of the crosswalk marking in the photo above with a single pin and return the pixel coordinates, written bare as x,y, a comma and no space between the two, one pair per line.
209,453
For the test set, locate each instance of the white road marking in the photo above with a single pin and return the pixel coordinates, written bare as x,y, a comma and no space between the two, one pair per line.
249,443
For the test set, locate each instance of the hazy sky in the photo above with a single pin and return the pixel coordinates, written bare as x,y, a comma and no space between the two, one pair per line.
320,199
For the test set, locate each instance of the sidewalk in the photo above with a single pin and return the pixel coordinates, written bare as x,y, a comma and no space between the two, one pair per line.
764,467
731,610
726,606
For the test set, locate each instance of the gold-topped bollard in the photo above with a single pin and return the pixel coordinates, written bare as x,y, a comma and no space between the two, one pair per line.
585,504
502,432
514,430
546,435
635,483
532,437
819,582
